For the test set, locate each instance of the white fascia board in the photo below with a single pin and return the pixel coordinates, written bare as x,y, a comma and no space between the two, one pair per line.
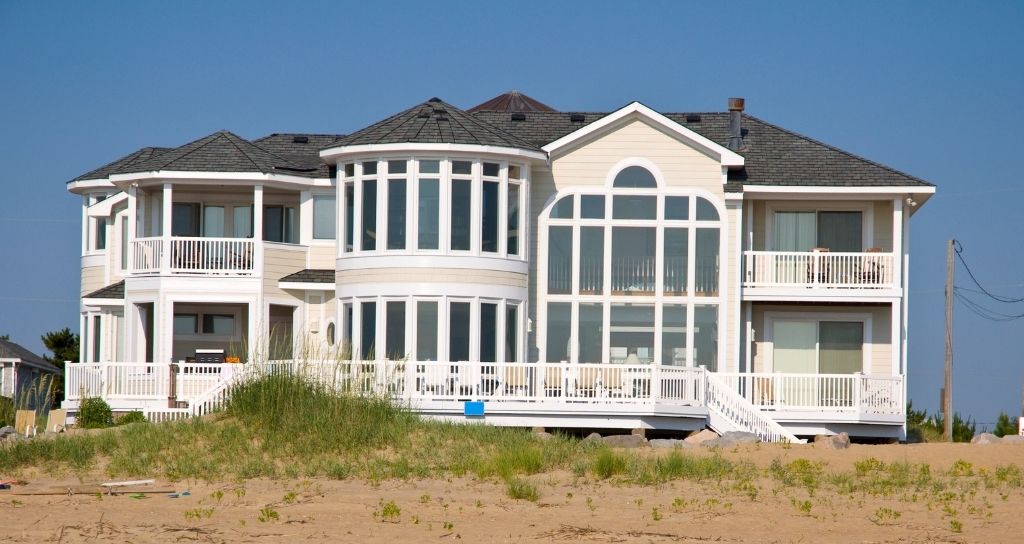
240,178
81,186
831,190
726,156
103,302
104,207
337,153
305,286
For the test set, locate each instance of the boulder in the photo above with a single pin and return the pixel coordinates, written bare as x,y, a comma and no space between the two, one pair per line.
542,435
593,437
668,443
839,441
625,441
4,431
701,436
733,438
984,439
1013,439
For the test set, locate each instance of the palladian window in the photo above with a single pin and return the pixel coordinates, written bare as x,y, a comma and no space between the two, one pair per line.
633,274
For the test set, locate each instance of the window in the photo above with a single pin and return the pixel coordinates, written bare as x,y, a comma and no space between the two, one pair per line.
706,210
673,335
368,240
806,230
347,317
635,177
512,220
101,233
325,215
592,206
676,256
368,330
458,331
591,280
633,260
350,216
124,243
559,328
97,336
223,325
184,219
488,332
426,330
565,208
330,334
634,207
706,274
489,217
591,333
279,224
461,206
511,333
186,324
705,336
817,347
429,214
560,260
396,213
631,334
394,331
241,221
213,221
677,208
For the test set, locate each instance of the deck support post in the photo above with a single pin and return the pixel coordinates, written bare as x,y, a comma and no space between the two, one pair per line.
172,385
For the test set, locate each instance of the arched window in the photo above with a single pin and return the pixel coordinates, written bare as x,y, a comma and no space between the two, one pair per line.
634,177
330,334
633,275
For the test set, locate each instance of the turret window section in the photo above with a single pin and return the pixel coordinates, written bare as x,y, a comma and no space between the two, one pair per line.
396,204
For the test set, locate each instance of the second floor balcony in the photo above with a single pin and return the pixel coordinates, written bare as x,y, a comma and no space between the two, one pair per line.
819,269
194,256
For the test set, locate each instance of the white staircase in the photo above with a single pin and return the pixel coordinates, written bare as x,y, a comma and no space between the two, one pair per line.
729,411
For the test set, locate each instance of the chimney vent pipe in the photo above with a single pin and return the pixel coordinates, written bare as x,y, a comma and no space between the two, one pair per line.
735,128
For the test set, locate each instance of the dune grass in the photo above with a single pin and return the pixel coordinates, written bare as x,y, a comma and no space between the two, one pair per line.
283,426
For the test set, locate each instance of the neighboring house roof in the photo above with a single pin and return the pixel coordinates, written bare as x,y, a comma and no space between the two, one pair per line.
772,155
115,290
123,164
512,101
10,350
435,122
310,275
222,151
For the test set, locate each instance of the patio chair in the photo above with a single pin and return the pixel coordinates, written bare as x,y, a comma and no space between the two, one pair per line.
516,380
553,381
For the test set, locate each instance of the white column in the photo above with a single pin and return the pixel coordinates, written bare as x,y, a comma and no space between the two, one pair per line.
257,225
165,231
897,243
164,326
253,332
896,338
85,224
130,224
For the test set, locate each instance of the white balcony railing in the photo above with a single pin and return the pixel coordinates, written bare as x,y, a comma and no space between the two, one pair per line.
194,256
826,393
142,381
818,269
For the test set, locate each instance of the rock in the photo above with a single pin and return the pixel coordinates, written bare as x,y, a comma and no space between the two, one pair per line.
985,439
593,437
733,438
700,437
1013,439
542,435
839,441
4,431
625,441
668,443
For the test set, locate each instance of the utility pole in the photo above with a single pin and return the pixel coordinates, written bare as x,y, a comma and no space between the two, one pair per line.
947,390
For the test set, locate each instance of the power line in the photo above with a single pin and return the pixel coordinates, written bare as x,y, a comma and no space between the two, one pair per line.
958,248
982,311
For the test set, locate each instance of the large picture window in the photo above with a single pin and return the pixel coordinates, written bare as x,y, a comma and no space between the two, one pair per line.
324,217
647,286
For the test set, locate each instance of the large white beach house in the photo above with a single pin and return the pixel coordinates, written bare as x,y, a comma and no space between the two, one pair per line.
510,264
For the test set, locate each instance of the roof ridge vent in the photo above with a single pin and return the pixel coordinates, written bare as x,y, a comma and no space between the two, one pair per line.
300,139
577,118
434,99
692,117
518,117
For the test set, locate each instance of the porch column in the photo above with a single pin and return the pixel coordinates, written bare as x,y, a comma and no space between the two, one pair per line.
164,351
254,353
131,226
257,226
897,243
165,232
85,224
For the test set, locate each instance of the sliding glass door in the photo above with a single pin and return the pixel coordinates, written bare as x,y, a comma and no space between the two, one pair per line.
810,348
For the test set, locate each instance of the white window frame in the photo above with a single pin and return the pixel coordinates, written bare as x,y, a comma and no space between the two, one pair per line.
772,317
867,210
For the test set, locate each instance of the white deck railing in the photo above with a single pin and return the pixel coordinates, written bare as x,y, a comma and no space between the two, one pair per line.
826,393
730,410
818,269
194,256
142,381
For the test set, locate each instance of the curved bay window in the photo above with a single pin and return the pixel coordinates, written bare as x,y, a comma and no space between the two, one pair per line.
633,274
457,206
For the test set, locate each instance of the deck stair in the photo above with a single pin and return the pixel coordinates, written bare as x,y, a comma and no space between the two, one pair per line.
729,411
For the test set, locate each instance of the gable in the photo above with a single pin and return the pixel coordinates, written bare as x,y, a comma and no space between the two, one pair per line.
637,140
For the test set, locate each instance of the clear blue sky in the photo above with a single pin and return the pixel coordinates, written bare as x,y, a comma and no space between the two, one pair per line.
934,89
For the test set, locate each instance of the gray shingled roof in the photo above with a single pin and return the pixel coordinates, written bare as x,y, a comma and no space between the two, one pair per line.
124,164
115,290
310,275
772,155
435,121
300,148
10,350
222,151
512,101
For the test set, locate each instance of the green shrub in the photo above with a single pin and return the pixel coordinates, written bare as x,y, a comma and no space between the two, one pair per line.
1005,426
94,413
519,489
6,412
132,417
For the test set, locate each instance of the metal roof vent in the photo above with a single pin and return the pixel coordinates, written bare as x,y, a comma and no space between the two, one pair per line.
300,139
435,99
736,106
518,116
692,118
577,118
